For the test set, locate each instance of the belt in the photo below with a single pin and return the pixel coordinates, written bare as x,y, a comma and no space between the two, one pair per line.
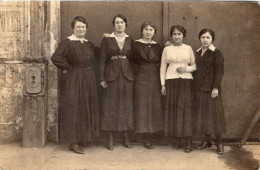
116,57
84,68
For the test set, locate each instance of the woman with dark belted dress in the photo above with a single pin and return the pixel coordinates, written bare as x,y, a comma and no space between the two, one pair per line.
207,84
116,77
147,90
79,101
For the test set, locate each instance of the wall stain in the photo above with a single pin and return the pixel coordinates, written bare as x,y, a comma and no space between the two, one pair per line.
240,159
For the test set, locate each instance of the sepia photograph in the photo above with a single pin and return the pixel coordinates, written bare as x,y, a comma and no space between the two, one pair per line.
129,85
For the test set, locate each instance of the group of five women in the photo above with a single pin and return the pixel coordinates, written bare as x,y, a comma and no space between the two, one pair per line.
135,75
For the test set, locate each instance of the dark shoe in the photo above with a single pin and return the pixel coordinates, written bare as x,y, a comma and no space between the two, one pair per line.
176,144
220,149
126,142
148,145
204,144
110,143
75,148
188,147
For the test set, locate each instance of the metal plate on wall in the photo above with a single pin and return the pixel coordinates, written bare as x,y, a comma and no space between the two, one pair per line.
35,78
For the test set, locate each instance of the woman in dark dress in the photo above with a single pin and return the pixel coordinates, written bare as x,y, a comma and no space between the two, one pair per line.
177,64
116,77
207,84
147,95
79,101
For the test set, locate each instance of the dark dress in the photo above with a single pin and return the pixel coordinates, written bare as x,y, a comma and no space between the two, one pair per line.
79,101
117,104
147,88
209,117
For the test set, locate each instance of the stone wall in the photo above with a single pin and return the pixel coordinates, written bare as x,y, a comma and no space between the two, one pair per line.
14,48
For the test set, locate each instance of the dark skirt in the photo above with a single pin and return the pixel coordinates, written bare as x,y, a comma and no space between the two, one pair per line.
209,114
79,106
147,106
117,106
178,107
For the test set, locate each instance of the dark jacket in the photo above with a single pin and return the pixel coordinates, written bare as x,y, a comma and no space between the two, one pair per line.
210,70
110,69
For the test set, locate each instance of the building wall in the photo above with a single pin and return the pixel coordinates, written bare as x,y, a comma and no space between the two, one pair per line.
16,45
12,49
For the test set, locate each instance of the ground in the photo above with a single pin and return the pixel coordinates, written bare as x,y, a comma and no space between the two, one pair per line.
13,156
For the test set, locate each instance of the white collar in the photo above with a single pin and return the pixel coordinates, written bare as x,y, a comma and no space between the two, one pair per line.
211,47
142,41
74,38
113,35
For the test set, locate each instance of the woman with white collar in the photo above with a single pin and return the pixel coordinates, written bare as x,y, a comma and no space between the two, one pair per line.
117,78
207,83
177,64
147,96
79,102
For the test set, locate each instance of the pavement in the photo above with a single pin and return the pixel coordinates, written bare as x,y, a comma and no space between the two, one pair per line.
163,157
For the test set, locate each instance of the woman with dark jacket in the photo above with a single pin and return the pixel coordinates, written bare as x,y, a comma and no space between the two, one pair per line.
147,95
207,84
116,77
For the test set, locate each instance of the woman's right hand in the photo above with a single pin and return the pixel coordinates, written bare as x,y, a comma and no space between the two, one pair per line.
163,90
103,84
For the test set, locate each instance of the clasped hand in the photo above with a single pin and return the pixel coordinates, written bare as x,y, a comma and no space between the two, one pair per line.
181,70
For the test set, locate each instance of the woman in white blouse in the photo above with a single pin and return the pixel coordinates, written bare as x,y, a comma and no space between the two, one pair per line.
176,81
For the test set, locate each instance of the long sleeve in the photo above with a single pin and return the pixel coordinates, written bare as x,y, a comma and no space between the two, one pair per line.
130,57
59,56
192,66
219,69
102,59
134,53
163,67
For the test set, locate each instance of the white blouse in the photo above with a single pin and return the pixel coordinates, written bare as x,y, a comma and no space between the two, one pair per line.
177,56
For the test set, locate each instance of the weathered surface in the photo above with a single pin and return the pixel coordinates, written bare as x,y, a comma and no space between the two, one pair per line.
17,43
11,102
12,28
52,38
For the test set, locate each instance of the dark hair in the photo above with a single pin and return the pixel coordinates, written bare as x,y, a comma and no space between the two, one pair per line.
120,16
210,31
80,19
179,28
146,24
